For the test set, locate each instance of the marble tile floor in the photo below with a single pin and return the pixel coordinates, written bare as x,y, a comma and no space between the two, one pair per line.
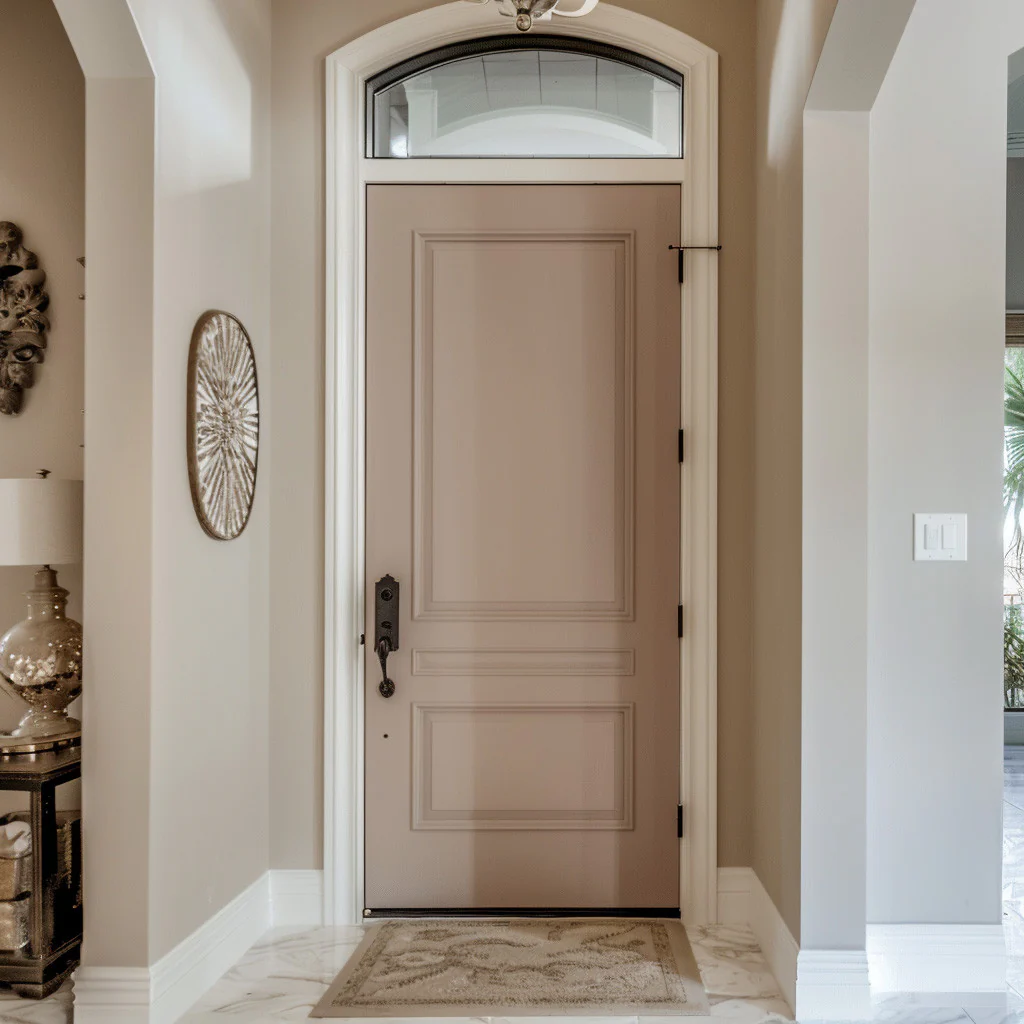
285,974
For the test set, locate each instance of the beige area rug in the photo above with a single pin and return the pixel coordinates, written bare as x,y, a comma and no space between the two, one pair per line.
525,967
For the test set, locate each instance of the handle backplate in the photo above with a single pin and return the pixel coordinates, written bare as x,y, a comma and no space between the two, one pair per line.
385,630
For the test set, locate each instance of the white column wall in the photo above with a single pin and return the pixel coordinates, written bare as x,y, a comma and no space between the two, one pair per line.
835,541
937,273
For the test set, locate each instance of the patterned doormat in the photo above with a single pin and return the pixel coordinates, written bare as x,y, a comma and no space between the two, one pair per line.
535,968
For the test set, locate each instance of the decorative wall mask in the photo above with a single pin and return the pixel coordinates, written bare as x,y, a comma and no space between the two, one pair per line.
23,325
223,424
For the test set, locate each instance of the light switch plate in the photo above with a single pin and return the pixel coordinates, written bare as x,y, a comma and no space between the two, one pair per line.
940,537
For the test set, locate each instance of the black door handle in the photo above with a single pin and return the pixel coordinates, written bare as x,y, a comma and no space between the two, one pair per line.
386,686
385,635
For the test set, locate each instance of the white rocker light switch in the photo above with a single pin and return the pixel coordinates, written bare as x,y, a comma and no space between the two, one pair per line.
940,537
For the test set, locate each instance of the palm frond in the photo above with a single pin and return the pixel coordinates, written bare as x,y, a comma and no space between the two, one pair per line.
1013,478
1013,657
1013,400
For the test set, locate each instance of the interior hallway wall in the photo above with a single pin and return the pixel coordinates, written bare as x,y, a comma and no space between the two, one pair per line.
937,273
304,33
790,36
209,806
42,190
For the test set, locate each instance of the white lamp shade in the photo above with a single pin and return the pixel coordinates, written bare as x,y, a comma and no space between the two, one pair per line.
40,522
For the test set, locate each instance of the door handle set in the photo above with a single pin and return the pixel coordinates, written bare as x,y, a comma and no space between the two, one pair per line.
385,630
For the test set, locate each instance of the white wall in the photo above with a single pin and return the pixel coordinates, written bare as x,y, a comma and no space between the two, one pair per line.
861,41
917,840
176,726
118,534
209,757
835,540
118,461
937,250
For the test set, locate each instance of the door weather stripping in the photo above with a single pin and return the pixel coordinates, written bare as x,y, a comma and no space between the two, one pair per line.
679,821
682,249
400,912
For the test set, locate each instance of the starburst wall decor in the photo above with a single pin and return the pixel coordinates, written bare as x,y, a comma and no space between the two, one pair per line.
223,424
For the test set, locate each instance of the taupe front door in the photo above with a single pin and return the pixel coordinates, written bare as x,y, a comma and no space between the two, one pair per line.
522,368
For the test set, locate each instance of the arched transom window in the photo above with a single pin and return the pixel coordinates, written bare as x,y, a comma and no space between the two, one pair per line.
534,96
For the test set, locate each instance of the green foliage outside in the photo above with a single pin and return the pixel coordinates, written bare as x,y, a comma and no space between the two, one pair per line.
1013,510
1013,656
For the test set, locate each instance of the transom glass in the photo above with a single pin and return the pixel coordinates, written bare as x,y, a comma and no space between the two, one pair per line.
544,96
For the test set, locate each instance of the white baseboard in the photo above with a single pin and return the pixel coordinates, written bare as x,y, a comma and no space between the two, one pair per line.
832,984
742,899
162,993
837,984
112,995
297,898
734,885
936,958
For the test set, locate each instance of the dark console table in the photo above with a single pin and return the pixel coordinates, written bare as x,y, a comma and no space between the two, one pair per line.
55,914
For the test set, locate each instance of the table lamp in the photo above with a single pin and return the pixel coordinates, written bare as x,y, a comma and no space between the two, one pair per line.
41,657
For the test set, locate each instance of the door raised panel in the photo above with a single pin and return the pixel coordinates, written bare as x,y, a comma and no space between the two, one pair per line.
520,662
523,421
522,766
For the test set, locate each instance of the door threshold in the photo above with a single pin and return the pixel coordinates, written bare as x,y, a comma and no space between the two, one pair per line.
401,912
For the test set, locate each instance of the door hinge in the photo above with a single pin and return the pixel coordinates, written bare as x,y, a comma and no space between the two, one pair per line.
680,622
679,821
681,447
362,639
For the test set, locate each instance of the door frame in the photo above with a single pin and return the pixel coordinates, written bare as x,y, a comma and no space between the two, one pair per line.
348,172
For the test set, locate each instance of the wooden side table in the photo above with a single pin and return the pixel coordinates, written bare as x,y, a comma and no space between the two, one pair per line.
55,918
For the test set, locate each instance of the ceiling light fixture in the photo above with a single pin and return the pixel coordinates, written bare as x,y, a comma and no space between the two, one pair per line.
526,12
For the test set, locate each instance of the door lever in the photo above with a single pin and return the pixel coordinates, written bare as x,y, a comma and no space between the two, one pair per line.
386,686
385,637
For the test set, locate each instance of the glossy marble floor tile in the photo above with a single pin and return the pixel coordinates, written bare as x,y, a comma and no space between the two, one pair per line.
285,974
282,977
55,1010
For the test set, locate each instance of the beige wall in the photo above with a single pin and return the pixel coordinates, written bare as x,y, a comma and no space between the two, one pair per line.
304,33
209,730
42,189
175,784
790,35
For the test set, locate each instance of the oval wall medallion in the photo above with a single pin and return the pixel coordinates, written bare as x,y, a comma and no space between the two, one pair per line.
223,424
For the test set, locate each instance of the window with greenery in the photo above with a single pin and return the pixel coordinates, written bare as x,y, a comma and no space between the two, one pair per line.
1013,510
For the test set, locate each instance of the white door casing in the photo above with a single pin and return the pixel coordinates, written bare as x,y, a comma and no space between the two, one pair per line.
348,173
